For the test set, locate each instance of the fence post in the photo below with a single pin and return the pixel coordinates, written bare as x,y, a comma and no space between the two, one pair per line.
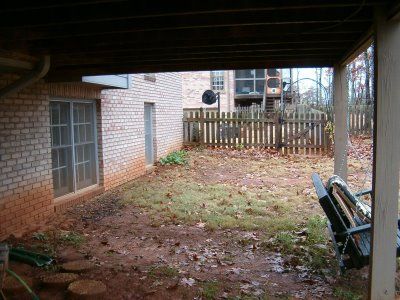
201,127
278,131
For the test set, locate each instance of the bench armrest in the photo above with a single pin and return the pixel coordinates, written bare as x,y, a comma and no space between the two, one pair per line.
363,193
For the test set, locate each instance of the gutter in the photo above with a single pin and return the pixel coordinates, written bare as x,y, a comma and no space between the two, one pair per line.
27,79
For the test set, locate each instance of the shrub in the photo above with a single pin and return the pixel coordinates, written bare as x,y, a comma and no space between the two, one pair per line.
175,158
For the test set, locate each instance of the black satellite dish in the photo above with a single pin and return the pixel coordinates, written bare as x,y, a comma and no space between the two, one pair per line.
209,97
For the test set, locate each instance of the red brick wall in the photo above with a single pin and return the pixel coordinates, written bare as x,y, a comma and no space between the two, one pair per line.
26,187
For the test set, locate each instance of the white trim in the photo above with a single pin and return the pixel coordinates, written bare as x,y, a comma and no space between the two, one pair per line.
95,141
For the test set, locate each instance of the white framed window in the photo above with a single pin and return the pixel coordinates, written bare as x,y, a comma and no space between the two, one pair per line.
249,82
73,145
217,80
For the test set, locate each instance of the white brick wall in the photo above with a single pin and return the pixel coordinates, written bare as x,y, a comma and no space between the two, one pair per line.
122,117
195,83
26,187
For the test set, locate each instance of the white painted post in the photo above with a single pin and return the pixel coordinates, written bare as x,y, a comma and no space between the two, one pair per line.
340,101
386,158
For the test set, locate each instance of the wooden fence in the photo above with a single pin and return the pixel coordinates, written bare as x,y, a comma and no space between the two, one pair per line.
361,120
289,133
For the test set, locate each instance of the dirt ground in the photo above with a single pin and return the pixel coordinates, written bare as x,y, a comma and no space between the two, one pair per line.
231,224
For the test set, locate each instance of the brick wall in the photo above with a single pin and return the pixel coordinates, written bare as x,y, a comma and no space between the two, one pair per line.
26,187
195,83
122,117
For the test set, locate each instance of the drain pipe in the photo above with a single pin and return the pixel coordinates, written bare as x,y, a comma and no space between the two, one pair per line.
27,79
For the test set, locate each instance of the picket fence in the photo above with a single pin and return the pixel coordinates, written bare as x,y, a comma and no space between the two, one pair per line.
289,133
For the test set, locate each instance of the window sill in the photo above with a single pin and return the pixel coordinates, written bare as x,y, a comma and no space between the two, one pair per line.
63,202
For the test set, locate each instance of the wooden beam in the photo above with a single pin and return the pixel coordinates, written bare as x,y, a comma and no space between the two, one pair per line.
67,14
358,47
340,102
386,158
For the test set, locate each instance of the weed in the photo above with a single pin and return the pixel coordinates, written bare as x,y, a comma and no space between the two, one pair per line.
72,238
239,147
209,290
40,236
316,227
162,271
286,241
175,158
344,294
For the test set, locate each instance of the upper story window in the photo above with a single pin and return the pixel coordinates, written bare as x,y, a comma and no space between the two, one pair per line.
217,80
250,82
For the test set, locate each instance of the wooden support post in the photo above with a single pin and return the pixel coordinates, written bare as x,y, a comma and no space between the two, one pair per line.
340,100
386,158
201,125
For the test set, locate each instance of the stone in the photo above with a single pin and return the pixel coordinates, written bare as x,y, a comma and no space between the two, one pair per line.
87,289
59,280
77,266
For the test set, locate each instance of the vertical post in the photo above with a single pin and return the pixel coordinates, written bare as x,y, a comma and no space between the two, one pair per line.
201,125
340,99
386,158
278,131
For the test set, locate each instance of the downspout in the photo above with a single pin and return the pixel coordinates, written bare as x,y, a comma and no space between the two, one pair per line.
27,79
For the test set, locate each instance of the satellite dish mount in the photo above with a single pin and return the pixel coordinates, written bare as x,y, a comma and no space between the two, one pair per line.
209,98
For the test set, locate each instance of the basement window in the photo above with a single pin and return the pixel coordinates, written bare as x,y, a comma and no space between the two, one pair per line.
73,145
217,80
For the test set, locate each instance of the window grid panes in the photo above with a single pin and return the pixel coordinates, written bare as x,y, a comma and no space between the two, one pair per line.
250,82
217,80
73,157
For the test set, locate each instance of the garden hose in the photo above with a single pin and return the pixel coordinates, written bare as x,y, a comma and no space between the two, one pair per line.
21,281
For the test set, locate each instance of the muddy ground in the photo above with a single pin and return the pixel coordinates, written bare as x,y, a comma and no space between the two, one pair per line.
153,250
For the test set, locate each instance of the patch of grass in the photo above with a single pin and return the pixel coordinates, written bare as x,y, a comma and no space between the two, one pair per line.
217,205
40,236
209,290
72,238
162,271
316,229
175,158
286,241
344,294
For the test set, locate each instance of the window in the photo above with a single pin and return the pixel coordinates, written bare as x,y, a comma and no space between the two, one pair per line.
73,146
250,82
217,80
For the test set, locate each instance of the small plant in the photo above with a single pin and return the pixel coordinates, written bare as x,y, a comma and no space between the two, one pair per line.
239,147
330,129
72,238
343,294
162,271
174,158
40,236
209,290
316,227
286,241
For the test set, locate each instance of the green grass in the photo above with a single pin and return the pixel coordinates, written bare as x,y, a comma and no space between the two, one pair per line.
345,294
175,158
209,290
162,271
217,205
72,238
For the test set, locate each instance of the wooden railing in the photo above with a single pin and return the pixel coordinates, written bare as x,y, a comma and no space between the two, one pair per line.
289,133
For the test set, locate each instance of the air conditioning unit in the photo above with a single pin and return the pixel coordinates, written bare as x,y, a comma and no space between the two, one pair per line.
274,79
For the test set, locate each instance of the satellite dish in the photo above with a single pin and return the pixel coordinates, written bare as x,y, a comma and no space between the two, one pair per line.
209,97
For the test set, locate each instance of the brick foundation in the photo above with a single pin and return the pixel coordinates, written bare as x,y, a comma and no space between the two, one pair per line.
26,185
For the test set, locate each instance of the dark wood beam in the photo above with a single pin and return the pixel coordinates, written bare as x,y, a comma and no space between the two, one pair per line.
104,46
258,18
195,57
118,10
